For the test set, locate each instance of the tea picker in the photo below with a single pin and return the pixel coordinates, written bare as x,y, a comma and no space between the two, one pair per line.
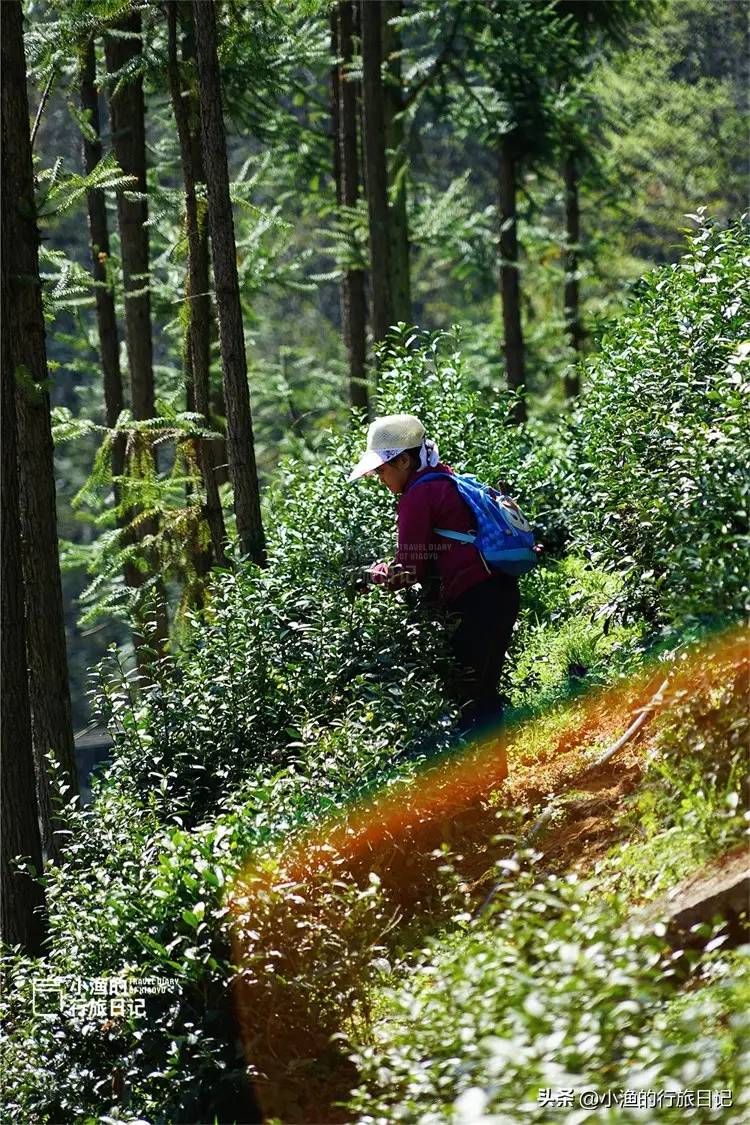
465,543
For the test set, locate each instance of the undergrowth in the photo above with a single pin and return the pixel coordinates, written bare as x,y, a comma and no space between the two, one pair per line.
563,985
294,698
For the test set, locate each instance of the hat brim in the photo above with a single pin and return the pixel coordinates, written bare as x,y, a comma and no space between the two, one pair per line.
367,464
372,459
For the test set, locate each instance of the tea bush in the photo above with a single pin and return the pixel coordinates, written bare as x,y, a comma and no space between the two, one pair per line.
565,986
290,697
559,991
660,488
293,695
567,637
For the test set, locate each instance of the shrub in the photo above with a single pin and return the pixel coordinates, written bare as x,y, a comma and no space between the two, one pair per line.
660,490
559,991
290,697
566,638
562,986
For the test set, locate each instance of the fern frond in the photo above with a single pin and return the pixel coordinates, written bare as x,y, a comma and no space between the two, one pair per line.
62,191
66,427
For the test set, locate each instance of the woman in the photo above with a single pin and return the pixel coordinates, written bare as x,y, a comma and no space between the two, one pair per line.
453,573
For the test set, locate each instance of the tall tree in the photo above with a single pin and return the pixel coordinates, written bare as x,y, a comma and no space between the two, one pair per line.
106,315
21,896
122,46
572,294
198,330
240,441
514,60
371,19
333,23
346,164
393,112
597,25
127,116
510,288
25,366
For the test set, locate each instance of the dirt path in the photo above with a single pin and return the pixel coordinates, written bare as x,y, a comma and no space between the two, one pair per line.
307,927
304,1076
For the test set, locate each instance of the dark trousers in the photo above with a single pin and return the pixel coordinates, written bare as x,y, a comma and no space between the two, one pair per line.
485,616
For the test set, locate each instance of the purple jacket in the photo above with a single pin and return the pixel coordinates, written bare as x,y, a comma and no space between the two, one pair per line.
445,567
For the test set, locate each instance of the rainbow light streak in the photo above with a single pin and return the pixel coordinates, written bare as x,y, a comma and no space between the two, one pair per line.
397,834
456,785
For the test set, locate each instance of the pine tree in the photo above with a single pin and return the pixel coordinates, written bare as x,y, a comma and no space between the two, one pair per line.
346,170
375,163
122,45
572,295
106,317
127,115
21,897
240,441
198,330
601,25
514,59
393,112
510,289
106,314
25,367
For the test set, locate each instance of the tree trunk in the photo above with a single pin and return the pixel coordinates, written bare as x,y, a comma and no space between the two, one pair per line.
353,314
377,176
398,223
127,118
336,71
198,331
22,898
106,317
509,282
127,121
241,446
360,110
24,354
573,323
219,415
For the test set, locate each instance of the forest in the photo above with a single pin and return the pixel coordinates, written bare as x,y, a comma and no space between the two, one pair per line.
253,867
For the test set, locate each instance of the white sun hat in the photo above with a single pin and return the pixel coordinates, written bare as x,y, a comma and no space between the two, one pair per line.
386,438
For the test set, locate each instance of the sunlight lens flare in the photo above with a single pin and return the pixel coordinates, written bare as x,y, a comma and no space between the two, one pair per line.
380,862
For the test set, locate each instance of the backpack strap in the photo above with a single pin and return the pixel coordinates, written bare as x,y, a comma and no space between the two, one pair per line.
430,476
461,536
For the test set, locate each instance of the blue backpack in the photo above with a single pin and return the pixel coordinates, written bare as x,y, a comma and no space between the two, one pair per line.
503,537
